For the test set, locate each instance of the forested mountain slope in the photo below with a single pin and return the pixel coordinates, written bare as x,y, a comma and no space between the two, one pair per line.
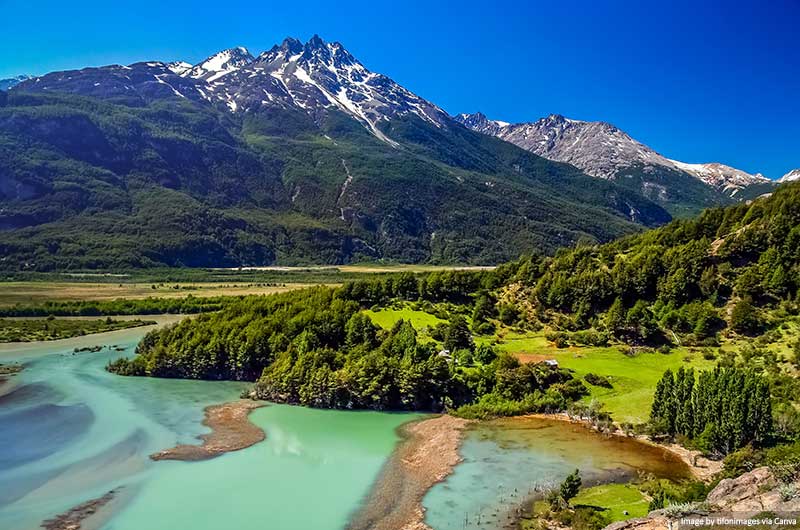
161,164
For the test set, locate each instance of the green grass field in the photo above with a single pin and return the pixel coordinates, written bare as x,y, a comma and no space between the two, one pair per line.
386,318
614,499
633,378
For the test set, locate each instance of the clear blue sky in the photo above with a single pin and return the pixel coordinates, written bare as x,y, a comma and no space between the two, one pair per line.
698,81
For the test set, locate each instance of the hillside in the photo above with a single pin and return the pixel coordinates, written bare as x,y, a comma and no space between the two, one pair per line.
298,155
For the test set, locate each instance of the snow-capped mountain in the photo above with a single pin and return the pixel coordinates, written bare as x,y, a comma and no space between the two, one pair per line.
316,77
10,82
218,65
604,151
791,176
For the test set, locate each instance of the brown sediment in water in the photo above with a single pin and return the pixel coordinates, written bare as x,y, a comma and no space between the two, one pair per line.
231,430
700,467
73,518
427,454
7,371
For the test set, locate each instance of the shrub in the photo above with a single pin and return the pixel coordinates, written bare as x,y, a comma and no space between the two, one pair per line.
597,380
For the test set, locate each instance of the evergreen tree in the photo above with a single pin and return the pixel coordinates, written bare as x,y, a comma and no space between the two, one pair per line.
571,486
615,318
744,317
662,403
458,336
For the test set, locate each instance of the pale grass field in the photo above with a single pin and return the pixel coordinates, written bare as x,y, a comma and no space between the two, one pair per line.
37,292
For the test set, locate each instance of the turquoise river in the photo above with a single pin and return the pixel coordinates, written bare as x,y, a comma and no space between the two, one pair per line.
70,432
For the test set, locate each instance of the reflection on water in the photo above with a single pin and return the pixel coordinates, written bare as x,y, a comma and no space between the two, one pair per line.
506,462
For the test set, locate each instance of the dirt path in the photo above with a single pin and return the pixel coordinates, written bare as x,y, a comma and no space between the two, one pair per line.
231,430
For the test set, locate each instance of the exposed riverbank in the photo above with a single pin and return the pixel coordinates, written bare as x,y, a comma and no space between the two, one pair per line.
8,370
231,430
425,456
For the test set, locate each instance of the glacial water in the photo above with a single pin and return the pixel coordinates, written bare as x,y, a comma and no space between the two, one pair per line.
70,432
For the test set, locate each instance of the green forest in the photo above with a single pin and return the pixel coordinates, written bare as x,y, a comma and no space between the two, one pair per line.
732,274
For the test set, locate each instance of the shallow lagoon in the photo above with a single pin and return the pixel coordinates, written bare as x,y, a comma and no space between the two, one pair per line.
508,461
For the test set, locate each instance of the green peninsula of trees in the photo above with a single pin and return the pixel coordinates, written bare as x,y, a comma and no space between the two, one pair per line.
731,272
317,348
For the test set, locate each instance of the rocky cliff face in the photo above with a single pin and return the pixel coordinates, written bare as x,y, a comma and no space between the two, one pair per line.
745,496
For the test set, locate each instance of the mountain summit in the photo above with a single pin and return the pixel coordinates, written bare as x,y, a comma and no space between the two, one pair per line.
790,176
605,151
317,77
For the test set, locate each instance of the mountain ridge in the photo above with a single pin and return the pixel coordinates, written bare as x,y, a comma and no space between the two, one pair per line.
296,155
604,151
791,176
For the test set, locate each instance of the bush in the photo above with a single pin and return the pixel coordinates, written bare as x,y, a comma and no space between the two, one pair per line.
784,461
597,380
741,461
485,328
508,314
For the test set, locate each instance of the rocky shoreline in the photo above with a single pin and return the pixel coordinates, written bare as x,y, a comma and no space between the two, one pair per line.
427,454
231,430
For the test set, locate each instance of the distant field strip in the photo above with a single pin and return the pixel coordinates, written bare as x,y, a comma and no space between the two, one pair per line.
12,293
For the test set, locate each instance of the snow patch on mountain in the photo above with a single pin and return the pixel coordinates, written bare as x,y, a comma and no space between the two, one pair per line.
791,176
220,64
721,176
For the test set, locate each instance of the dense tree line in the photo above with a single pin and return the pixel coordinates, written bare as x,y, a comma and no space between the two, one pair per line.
722,410
147,306
677,278
316,347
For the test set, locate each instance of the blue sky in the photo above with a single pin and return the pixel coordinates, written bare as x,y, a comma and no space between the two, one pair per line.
698,81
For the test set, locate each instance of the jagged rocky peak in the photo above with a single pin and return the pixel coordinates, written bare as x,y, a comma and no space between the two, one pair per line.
315,77
603,150
478,121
